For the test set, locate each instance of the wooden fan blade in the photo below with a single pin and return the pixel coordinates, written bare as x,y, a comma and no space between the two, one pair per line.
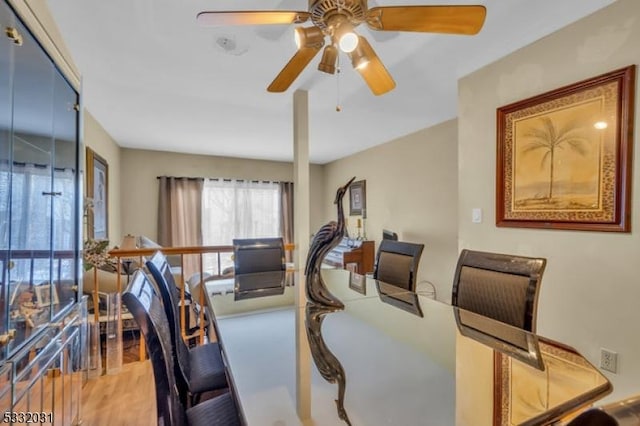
374,73
294,67
431,19
252,17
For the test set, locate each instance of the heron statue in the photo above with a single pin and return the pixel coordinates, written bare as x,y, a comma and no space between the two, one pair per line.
328,365
327,237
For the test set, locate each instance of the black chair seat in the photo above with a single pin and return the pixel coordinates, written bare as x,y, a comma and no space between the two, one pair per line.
207,368
219,411
593,417
199,369
145,305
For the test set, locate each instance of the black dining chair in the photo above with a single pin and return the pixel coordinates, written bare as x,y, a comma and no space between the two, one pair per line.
251,255
397,263
593,417
201,368
499,286
259,267
147,309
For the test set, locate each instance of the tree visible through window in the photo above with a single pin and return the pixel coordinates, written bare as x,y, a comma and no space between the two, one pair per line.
238,209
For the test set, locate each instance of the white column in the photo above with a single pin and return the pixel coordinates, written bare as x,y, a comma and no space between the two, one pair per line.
302,232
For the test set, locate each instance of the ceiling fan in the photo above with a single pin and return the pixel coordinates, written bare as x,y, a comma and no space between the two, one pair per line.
337,20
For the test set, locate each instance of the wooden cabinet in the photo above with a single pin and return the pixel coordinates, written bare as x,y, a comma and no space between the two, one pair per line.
357,256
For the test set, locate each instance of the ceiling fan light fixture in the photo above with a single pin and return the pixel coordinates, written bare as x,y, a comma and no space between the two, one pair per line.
328,62
308,37
359,59
348,42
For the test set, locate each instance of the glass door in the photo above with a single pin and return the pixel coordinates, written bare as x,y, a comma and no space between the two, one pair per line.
65,210
32,296
6,74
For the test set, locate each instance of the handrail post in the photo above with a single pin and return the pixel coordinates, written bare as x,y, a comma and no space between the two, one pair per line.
142,348
183,314
96,299
201,301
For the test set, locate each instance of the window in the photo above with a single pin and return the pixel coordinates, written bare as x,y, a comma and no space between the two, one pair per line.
31,216
238,209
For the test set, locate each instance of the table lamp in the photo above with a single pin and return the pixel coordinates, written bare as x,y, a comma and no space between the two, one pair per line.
128,243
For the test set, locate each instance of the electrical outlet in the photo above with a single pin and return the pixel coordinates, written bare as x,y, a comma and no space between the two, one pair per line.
608,360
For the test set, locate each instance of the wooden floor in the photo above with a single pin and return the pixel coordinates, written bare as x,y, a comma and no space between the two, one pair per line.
127,398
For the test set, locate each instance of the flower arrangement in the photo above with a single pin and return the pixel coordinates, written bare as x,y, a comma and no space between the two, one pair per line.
96,255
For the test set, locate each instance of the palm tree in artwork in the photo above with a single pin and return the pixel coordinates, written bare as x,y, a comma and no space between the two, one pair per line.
550,138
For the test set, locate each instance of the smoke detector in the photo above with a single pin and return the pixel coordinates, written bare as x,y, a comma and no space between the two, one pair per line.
230,45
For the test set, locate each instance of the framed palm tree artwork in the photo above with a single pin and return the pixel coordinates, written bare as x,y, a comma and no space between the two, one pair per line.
564,157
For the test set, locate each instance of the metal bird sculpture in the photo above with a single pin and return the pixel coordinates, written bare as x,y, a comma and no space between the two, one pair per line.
327,237
328,365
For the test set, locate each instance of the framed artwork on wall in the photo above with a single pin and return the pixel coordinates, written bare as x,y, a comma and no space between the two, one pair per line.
97,173
564,157
358,199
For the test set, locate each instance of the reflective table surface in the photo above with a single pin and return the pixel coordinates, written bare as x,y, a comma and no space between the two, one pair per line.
390,357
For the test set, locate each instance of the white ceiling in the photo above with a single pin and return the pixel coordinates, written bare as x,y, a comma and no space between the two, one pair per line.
157,80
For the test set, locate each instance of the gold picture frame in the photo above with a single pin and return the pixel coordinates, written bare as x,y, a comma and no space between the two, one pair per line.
98,192
564,157
526,396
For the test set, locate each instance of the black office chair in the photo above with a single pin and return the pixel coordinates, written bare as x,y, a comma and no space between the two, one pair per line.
593,417
623,412
199,369
397,263
499,286
260,267
146,307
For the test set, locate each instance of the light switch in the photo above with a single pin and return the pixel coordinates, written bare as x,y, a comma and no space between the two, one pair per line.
476,215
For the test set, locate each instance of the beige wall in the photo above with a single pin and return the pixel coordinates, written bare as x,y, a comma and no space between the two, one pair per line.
139,187
411,186
590,291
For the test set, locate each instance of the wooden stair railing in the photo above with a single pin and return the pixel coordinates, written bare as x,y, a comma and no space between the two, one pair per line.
198,251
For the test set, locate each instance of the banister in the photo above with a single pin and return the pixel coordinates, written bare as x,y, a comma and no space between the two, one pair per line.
147,251
167,251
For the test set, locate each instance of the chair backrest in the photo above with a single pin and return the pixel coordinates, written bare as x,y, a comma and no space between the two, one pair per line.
160,269
595,417
397,263
499,286
253,255
260,267
146,307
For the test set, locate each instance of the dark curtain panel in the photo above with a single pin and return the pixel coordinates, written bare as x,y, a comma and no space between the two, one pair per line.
180,216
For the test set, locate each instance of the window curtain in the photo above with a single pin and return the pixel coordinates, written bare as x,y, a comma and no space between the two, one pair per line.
180,216
213,212
238,209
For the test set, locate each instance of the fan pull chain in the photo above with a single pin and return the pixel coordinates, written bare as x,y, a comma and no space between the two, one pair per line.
338,107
